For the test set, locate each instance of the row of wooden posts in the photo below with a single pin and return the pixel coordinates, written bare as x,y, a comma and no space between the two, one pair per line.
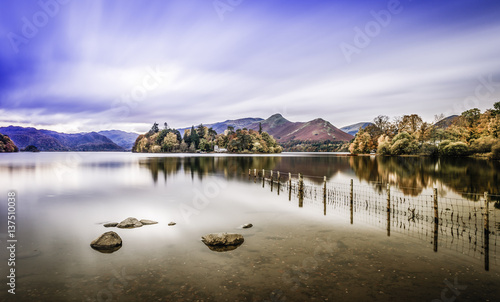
351,202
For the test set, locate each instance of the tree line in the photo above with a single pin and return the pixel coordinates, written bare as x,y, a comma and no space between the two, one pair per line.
205,139
472,132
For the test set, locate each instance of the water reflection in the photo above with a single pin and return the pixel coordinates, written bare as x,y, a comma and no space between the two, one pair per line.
412,175
456,224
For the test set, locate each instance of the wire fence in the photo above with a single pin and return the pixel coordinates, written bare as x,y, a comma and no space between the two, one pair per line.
469,227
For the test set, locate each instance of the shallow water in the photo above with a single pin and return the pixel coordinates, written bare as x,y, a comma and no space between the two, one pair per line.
291,253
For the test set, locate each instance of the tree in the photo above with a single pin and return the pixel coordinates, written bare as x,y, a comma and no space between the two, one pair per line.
361,144
403,143
187,137
195,138
170,142
211,133
471,117
230,130
154,129
382,123
496,109
201,130
410,123
260,128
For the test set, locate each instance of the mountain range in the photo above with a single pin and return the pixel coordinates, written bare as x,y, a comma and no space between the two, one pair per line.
46,140
284,130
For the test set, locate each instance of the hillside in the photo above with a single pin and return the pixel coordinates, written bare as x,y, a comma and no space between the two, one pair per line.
7,145
46,140
123,139
354,128
446,122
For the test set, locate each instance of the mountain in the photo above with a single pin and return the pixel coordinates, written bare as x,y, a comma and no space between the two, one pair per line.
46,140
7,145
123,139
316,130
354,128
446,122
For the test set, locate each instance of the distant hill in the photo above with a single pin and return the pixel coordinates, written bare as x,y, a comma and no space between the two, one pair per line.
446,122
316,130
46,140
221,126
7,145
123,139
354,128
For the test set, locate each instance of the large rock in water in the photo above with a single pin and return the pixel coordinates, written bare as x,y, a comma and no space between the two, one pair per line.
129,223
107,243
222,242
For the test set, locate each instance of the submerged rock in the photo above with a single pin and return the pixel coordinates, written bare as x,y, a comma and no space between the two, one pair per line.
130,222
111,224
147,222
107,243
222,242
247,226
171,223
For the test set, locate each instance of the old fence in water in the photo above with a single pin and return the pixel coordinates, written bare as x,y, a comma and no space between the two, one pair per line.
468,227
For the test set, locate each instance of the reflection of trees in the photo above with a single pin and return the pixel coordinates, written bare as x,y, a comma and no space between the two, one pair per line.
201,166
166,165
413,174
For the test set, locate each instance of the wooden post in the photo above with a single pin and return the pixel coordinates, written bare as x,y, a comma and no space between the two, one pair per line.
301,191
388,210
279,182
289,186
436,220
272,181
486,231
352,201
324,195
263,177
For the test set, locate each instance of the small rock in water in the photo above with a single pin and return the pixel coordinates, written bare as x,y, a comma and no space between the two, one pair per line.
111,224
130,222
108,242
147,222
247,226
172,223
222,242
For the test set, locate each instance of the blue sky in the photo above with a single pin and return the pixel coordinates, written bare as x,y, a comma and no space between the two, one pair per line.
95,65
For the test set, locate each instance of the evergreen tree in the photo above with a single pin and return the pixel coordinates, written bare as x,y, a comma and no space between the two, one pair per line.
195,138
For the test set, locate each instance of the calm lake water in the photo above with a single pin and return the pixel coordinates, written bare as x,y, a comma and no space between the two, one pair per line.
296,251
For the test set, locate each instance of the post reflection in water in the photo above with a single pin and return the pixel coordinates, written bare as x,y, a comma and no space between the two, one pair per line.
417,207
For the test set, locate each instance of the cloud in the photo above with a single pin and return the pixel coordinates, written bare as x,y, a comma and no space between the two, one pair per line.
87,68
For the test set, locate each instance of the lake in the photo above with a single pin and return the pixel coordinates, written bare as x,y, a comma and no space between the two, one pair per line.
299,249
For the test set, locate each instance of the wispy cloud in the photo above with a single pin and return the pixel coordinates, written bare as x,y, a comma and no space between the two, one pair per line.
264,57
